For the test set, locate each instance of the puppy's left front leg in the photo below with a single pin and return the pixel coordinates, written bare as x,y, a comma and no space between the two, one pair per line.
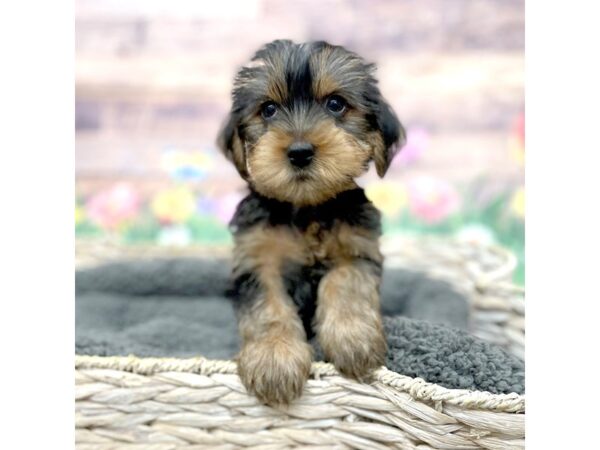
348,318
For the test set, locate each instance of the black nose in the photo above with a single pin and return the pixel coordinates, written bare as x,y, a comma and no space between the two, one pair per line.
300,153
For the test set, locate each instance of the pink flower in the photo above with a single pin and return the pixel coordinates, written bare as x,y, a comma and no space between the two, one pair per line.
112,207
516,140
519,129
431,199
417,141
226,206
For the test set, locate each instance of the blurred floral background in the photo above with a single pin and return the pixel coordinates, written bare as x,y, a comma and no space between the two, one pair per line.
153,80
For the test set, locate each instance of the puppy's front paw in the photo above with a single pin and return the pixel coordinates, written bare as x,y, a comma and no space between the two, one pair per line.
275,369
354,347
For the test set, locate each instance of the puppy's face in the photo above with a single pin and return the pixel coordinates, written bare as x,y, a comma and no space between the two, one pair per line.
306,120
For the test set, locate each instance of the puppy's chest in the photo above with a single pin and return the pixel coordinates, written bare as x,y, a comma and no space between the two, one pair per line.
321,242
344,228
336,242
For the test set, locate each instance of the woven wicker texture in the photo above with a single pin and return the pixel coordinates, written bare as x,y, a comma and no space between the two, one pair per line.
197,401
147,403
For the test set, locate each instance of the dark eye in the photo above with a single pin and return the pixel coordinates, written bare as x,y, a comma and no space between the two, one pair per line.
268,109
336,104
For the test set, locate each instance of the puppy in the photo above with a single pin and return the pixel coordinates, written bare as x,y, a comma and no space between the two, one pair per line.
306,121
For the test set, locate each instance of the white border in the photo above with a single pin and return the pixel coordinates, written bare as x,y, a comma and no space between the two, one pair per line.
36,200
563,223
36,197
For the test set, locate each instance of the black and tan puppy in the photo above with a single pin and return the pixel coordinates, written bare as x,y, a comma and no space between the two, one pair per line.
306,121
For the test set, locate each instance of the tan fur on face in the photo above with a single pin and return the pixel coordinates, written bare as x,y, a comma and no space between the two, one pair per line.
323,86
275,359
330,72
339,158
348,320
277,86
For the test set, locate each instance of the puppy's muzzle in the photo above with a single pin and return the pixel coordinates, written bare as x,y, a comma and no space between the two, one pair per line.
300,154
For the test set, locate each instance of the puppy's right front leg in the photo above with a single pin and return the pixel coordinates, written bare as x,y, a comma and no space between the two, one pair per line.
275,358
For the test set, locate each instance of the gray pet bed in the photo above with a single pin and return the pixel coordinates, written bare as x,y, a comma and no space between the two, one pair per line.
177,308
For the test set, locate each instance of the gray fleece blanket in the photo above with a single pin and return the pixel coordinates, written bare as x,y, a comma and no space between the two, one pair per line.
177,308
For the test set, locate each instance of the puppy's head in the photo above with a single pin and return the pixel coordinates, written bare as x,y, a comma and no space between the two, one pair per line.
306,120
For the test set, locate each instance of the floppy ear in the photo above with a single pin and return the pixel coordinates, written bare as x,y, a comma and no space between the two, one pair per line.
231,145
393,137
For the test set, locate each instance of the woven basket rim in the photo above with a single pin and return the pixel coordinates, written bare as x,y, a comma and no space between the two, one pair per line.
416,387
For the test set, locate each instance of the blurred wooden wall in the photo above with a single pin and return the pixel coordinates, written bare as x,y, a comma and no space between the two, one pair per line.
152,75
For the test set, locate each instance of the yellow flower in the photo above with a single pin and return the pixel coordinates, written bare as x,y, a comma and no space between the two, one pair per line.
389,197
174,205
516,150
79,215
184,165
517,204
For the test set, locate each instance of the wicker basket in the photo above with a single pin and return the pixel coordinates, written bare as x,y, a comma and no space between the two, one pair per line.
150,403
